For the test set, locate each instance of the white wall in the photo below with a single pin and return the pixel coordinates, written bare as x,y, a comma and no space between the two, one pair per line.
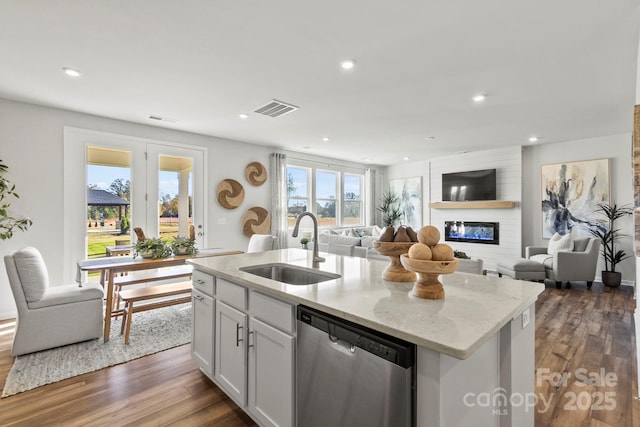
31,144
507,161
617,148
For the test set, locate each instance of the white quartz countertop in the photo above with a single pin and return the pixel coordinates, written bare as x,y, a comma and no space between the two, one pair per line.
474,308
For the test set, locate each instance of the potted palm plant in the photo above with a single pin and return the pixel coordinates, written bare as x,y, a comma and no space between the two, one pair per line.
608,237
152,248
389,207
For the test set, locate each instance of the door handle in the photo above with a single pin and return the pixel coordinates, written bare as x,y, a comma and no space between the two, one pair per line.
238,339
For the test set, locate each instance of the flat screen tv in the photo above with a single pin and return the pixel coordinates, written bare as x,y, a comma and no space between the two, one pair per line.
469,185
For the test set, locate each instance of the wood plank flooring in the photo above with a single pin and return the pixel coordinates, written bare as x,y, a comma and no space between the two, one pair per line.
581,337
575,328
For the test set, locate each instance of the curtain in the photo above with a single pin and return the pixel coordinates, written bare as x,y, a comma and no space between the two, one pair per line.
278,166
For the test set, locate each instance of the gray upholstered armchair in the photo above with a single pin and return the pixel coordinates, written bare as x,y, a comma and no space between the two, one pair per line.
50,316
577,265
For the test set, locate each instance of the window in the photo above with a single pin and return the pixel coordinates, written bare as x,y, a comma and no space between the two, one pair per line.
326,190
352,199
298,192
334,196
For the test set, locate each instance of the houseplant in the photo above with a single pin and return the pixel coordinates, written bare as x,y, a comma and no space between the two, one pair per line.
8,223
304,242
389,207
183,246
608,236
152,248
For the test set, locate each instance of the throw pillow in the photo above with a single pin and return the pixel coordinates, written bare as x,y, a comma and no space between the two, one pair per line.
33,273
376,231
559,243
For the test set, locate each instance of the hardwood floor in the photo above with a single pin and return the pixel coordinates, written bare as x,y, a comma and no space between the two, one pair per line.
587,336
575,328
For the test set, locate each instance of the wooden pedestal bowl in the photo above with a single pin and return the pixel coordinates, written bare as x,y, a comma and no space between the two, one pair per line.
395,272
428,285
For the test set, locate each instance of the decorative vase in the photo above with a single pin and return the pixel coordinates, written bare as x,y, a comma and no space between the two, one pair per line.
395,272
611,279
146,254
428,285
182,251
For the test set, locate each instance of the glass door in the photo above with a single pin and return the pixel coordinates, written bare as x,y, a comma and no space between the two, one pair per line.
175,195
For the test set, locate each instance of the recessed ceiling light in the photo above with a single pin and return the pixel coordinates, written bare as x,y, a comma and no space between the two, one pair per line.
348,64
71,72
430,138
243,116
326,139
533,139
479,97
406,158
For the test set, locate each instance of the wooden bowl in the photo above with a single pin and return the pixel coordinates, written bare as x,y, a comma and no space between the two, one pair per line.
428,284
395,272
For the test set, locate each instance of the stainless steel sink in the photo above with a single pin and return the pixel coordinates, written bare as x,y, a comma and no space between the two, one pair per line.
290,274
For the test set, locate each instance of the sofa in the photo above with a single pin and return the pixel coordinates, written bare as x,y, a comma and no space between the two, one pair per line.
358,241
351,241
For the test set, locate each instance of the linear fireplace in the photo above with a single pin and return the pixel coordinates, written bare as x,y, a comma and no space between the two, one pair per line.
472,232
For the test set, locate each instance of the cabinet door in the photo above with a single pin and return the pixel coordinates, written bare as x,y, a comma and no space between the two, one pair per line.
203,318
271,374
231,352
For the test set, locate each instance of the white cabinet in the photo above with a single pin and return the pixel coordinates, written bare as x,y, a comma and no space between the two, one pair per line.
231,352
203,310
250,336
271,374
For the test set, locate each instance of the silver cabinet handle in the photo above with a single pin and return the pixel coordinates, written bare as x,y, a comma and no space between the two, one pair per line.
250,335
238,339
198,297
199,281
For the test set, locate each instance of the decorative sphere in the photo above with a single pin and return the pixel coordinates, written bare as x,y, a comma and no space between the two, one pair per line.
420,251
441,252
429,235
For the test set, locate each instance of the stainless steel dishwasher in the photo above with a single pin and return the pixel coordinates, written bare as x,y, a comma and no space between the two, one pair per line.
349,375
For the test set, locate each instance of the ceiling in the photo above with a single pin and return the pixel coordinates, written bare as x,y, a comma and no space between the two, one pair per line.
561,70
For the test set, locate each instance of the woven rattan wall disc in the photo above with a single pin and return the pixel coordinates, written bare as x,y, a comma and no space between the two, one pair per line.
256,173
257,220
230,193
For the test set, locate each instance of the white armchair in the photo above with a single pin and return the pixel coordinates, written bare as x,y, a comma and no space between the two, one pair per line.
576,265
50,316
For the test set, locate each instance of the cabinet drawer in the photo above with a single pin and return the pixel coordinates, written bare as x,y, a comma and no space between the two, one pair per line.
232,294
203,282
273,311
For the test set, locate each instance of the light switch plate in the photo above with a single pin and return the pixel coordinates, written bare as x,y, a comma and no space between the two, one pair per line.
526,316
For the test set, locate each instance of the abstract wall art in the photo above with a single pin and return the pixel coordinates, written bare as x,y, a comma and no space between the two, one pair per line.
571,192
409,192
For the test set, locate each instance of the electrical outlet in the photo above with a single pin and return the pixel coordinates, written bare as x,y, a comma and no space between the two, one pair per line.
526,317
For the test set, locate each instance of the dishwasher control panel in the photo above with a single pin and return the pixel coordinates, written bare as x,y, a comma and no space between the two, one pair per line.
390,348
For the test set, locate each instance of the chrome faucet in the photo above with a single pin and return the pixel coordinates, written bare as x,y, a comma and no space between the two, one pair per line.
316,258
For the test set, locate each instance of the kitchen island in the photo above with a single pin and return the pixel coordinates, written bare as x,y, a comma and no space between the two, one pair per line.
475,348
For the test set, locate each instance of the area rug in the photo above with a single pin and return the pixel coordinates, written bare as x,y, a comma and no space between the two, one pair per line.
151,331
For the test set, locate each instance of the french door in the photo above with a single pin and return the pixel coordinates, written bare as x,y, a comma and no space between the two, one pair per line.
167,187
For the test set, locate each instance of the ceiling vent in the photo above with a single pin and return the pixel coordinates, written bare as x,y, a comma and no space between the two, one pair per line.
275,108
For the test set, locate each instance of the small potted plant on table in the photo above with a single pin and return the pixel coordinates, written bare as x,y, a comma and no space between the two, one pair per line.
152,248
183,246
